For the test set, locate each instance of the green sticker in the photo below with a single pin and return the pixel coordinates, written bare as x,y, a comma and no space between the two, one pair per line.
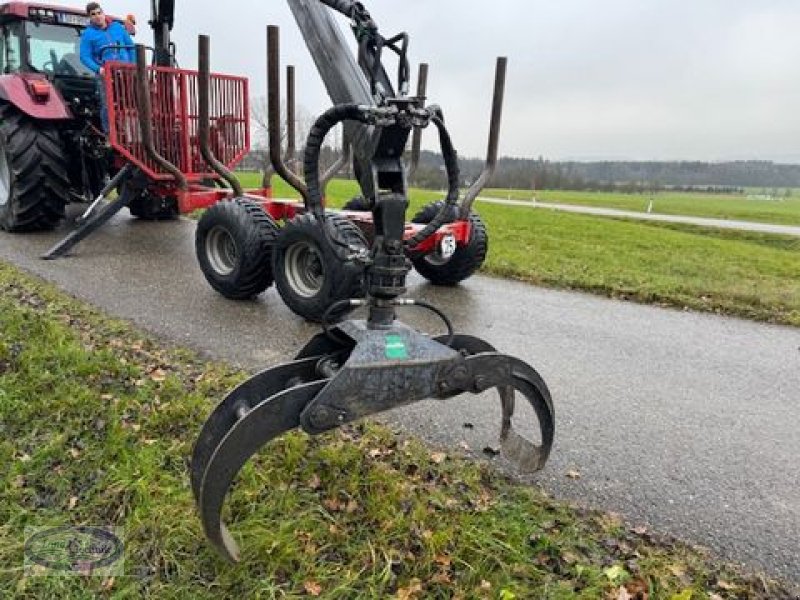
395,348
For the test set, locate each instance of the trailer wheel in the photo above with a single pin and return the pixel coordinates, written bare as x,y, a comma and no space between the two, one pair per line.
466,259
34,180
233,244
310,274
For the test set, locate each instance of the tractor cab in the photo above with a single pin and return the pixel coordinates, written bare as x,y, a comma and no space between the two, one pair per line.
44,41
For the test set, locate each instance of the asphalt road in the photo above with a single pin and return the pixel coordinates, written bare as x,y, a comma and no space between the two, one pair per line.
643,216
685,422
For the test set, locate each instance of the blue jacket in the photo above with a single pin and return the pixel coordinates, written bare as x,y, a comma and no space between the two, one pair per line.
94,39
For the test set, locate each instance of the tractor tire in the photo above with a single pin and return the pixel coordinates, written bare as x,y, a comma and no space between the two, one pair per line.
358,203
309,275
466,259
233,244
151,208
34,180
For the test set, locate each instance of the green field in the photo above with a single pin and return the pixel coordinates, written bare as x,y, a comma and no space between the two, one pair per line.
784,211
98,422
752,275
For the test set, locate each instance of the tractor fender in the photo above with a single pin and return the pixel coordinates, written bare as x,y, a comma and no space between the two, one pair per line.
34,95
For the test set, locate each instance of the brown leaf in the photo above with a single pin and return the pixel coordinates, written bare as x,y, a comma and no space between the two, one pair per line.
352,506
623,594
438,457
107,584
158,375
74,453
312,588
724,585
314,482
411,591
443,560
573,474
332,504
442,577
73,502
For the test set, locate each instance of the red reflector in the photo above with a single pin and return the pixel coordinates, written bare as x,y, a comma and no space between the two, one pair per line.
40,89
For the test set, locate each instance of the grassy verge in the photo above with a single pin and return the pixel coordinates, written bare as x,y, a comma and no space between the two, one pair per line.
785,211
751,275
97,422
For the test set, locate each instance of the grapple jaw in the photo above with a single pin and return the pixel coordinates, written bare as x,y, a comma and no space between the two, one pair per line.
354,372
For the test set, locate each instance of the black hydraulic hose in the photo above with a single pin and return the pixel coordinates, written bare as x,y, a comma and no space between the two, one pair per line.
327,121
451,167
343,6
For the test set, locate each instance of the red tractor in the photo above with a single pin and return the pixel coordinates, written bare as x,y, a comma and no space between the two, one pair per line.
53,150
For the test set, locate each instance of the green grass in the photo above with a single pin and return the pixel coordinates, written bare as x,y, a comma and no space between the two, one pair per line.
97,424
785,211
751,275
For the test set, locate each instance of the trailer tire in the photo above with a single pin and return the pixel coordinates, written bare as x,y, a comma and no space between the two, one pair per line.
310,275
34,180
466,259
233,244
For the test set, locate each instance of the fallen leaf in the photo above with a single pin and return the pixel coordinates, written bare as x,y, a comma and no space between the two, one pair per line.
74,452
314,482
438,457
410,593
73,502
724,585
332,504
158,375
352,506
573,474
312,588
443,560
25,458
623,594
107,584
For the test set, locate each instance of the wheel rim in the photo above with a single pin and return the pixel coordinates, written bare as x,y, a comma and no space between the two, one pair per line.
5,178
304,269
221,250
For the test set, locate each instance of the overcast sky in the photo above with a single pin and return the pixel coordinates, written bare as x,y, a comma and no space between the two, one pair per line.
587,79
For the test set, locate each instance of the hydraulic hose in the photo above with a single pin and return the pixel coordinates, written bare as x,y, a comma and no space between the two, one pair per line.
327,121
451,167
343,6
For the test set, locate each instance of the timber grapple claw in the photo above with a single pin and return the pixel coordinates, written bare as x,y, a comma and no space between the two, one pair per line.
376,371
360,368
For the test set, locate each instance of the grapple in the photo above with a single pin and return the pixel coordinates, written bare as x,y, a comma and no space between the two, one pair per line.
358,368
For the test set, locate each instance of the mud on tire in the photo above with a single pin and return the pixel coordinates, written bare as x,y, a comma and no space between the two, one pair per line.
34,180
310,274
466,260
233,244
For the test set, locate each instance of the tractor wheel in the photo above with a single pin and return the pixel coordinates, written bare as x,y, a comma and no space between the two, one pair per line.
34,181
357,203
309,274
466,259
153,208
234,244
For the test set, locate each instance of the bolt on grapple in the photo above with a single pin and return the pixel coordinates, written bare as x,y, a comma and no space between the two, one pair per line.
358,368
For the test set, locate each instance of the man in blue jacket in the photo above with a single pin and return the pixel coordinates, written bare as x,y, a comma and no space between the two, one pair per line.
102,41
